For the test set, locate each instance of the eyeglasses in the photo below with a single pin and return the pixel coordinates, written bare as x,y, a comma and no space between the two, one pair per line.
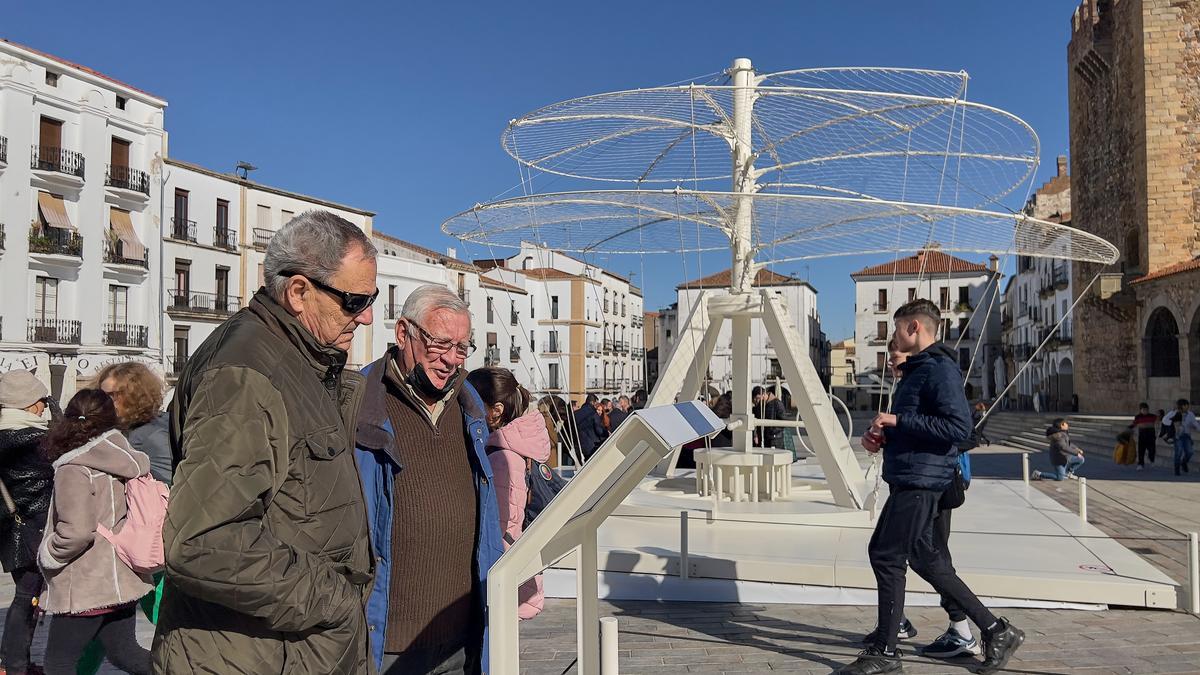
437,346
354,303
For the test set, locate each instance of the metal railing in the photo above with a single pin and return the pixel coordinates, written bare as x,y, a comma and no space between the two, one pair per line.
202,303
464,295
182,229
608,345
513,319
54,331
126,335
225,237
1059,278
881,307
56,241
491,356
262,237
3,149
46,158
1,236
514,353
551,347
595,383
126,178
114,253
392,312
175,365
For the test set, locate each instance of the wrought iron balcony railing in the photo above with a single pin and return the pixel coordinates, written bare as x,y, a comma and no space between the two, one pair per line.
114,253
514,353
3,149
392,312
55,241
125,335
54,331
47,158
127,179
262,237
225,237
183,229
491,356
202,303
175,365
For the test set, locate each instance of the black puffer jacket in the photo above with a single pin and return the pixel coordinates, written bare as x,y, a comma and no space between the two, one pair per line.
30,480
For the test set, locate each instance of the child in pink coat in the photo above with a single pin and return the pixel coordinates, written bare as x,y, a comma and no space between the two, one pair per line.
518,442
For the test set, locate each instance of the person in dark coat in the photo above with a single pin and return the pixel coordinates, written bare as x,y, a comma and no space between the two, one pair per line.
619,412
930,420
590,427
29,479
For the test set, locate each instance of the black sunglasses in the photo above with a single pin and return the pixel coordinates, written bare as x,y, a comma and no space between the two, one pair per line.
354,303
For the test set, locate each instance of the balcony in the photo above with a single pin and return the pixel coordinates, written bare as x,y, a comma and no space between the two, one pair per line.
639,353
513,318
207,304
514,354
963,307
594,384
491,356
552,385
606,307
551,347
54,331
880,307
175,365
1,236
125,178
126,335
262,237
392,312
622,311
3,150
226,238
182,230
57,160
608,345
114,254
1060,279
54,241
877,339
464,295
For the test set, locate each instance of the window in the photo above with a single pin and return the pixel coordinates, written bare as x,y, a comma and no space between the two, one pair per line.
944,298
222,219
880,360
964,358
285,217
912,294
964,295
881,301
945,329
1133,252
183,282
554,307
490,317
118,305
553,342
881,330
180,229
531,342
1162,344
531,304
264,217
553,376
51,78
45,299
119,157
121,101
49,140
527,263
222,279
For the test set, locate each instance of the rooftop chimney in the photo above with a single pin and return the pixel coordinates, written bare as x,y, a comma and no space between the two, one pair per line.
1062,165
994,263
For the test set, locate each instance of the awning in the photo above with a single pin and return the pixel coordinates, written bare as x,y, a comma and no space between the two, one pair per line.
54,211
132,247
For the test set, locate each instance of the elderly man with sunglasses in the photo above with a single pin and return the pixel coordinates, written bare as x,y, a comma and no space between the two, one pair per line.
435,525
267,546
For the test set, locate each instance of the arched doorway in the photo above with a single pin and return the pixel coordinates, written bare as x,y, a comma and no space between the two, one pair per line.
1161,356
1066,384
1194,357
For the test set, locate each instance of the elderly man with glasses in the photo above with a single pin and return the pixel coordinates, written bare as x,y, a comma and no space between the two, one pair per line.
428,483
267,546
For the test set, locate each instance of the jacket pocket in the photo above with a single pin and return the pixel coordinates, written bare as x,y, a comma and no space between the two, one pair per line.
330,478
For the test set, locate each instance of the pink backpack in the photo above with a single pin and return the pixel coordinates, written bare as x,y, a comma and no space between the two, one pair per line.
138,542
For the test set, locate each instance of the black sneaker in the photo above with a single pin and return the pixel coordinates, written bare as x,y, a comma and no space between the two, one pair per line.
872,661
907,632
999,645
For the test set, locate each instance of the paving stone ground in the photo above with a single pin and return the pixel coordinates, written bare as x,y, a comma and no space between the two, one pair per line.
1145,510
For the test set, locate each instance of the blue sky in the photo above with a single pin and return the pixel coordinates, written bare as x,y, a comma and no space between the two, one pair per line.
398,107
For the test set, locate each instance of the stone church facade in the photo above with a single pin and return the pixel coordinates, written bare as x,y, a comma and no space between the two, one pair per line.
1134,96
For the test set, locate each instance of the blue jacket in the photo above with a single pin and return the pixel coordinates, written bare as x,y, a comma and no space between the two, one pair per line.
933,419
378,464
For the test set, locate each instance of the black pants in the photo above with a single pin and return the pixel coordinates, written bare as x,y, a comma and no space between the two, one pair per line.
431,662
21,619
941,530
1145,446
905,535
69,635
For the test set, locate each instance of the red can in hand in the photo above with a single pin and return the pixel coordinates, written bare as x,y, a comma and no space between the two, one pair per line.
872,440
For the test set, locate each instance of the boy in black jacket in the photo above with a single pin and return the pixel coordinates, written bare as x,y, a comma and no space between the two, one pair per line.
930,419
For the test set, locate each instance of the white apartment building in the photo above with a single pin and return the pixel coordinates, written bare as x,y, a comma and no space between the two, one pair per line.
961,289
800,299
80,163
1036,298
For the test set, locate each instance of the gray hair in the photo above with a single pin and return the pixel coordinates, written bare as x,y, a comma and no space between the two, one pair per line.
312,244
431,297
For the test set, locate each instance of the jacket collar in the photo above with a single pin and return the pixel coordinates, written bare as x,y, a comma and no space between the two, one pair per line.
325,361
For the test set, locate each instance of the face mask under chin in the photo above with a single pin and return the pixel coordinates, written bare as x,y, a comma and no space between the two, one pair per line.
420,381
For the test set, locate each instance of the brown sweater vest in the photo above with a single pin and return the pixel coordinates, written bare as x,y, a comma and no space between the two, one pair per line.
431,603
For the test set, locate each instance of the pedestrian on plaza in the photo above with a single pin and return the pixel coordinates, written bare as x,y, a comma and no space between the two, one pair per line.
267,548
27,480
767,407
1182,422
639,399
430,491
1065,458
1146,424
90,592
590,427
957,640
517,448
619,413
930,419
605,409
979,423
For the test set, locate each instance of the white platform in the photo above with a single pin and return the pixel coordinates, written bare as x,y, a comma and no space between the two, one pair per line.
1011,544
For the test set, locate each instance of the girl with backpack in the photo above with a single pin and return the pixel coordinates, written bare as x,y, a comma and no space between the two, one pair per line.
90,591
518,449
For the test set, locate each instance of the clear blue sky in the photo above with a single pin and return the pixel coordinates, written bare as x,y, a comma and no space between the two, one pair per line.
398,107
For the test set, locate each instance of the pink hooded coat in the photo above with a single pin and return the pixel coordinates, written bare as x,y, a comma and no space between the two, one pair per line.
524,437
